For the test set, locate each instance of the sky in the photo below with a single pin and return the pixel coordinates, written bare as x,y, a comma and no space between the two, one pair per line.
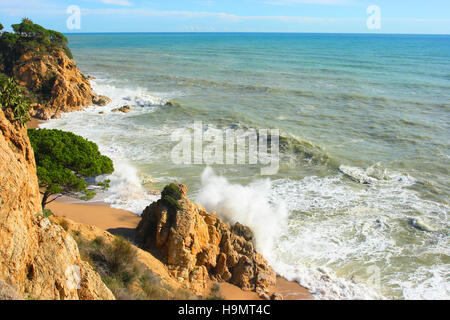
328,16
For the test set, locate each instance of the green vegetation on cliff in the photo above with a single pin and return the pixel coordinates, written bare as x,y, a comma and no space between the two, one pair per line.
13,101
29,36
118,265
64,160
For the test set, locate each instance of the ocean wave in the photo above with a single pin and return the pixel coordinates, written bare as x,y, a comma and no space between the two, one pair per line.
126,189
139,97
359,234
292,147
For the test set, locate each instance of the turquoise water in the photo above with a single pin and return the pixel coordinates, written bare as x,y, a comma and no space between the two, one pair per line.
350,109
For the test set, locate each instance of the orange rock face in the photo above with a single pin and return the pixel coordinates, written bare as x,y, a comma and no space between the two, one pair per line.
59,83
37,258
197,245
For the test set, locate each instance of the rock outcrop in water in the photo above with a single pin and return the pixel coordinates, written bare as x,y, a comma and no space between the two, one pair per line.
56,83
198,246
38,259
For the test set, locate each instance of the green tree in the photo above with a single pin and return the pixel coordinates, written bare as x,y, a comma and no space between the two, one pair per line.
13,101
64,160
30,36
1,27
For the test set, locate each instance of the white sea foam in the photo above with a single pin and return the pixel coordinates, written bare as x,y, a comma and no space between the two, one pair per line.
429,283
248,205
139,97
358,232
126,190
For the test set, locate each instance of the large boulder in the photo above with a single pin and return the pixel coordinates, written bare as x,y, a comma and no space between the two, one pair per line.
56,82
37,257
198,246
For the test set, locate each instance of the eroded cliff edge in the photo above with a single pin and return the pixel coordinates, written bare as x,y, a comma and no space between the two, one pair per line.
38,259
40,60
56,82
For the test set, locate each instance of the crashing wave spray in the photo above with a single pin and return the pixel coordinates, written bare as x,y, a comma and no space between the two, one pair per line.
248,205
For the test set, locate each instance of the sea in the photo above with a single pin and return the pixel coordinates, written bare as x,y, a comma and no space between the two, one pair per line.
358,208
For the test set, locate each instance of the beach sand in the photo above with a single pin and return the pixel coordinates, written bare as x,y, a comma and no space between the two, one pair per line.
34,123
122,222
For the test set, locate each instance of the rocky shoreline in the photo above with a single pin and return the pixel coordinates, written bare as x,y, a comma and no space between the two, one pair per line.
194,246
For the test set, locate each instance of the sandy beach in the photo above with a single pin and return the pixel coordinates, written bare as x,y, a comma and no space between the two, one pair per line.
122,222
34,123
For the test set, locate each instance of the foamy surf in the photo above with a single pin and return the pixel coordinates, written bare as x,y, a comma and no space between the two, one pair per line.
126,188
135,97
251,205
316,231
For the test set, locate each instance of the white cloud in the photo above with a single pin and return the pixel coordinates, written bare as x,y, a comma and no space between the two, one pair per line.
124,3
217,15
318,2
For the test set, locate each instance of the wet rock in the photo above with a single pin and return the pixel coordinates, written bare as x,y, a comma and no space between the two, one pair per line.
101,101
124,109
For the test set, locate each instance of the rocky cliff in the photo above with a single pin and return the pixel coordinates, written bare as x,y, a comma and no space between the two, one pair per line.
56,83
38,259
198,246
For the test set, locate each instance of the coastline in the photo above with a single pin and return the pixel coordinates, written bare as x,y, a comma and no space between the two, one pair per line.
123,223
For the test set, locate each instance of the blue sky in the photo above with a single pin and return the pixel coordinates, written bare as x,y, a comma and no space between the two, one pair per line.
346,16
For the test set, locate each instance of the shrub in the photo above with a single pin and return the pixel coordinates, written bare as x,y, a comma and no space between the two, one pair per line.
120,256
89,194
104,184
122,273
47,213
171,194
13,100
215,292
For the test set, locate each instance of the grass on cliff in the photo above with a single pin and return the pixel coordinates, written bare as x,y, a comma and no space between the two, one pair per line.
123,274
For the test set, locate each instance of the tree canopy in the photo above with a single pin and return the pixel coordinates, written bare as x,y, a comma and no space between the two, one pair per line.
64,160
29,36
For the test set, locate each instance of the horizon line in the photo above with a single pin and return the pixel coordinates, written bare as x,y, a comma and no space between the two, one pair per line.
252,32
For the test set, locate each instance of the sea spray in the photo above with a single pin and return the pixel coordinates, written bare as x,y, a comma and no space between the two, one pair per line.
126,190
248,205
